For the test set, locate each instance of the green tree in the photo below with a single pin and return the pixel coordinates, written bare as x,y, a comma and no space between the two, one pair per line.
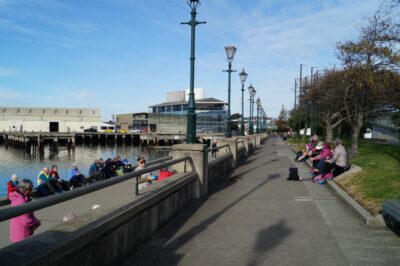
370,63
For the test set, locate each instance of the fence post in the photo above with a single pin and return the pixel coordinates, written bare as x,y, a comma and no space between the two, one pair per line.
200,161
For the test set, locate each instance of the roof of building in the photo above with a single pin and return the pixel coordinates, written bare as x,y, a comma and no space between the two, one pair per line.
209,100
29,111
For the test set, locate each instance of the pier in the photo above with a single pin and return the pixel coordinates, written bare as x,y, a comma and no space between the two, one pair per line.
34,142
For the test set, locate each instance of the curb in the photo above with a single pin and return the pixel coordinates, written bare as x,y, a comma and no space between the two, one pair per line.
359,210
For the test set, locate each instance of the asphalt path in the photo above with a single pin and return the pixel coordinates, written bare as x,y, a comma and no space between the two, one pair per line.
259,218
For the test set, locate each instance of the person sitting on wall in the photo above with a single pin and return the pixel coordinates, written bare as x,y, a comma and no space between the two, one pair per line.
164,174
60,183
75,177
144,177
46,185
108,169
12,185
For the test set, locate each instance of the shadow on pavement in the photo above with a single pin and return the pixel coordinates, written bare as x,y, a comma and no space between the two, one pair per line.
268,239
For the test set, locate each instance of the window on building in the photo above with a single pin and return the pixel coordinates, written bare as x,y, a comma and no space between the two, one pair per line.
30,111
184,107
44,111
177,108
18,110
55,111
80,112
67,111
169,108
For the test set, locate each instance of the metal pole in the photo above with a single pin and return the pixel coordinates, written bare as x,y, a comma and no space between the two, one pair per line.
301,70
242,124
258,116
311,103
228,129
251,119
191,110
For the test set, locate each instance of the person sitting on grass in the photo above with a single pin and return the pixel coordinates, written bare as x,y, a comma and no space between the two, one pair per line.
339,159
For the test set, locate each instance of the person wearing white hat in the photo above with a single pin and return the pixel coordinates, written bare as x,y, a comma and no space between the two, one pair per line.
75,177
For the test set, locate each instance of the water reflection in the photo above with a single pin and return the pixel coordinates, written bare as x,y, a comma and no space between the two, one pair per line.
14,161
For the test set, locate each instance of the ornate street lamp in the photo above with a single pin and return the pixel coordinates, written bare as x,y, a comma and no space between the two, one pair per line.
243,77
258,114
191,110
230,53
252,93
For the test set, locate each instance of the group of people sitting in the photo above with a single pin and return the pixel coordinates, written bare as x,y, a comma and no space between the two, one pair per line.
49,181
326,163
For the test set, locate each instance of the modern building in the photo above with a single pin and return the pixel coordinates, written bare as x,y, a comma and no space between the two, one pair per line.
170,117
132,121
42,119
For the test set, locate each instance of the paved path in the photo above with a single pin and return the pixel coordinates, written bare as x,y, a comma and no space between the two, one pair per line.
262,219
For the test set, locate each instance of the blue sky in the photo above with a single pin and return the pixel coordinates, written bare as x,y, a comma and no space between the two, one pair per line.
124,55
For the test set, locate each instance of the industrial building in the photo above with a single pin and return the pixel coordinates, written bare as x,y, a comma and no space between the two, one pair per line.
132,121
43,119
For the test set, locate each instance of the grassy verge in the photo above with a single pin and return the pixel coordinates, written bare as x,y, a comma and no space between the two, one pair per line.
380,178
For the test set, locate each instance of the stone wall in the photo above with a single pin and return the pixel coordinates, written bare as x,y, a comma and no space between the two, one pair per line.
100,238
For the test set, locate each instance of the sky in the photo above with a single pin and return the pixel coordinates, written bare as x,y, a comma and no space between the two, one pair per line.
124,55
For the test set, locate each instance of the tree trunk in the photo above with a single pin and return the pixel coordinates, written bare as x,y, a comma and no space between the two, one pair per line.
356,127
329,131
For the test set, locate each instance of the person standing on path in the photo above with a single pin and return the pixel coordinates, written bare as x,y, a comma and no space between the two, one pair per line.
24,225
214,152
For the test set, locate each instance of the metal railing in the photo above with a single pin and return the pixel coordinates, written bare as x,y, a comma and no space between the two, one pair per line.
226,146
31,206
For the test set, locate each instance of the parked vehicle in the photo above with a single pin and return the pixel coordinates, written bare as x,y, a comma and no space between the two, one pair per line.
122,131
368,133
90,130
134,130
107,129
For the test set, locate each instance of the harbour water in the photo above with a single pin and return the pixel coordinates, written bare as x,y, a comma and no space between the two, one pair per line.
14,161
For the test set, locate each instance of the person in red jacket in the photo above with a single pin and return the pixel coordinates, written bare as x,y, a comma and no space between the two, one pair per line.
12,185
164,174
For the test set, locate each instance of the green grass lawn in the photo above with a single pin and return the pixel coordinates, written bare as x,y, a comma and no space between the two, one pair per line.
380,177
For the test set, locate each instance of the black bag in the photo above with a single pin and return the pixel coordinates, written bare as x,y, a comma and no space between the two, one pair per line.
293,173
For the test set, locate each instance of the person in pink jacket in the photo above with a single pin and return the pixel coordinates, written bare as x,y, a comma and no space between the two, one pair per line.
22,226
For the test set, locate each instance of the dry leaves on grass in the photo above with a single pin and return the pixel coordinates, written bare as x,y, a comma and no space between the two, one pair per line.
351,184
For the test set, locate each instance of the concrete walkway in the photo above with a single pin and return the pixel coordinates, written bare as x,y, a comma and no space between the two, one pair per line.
259,218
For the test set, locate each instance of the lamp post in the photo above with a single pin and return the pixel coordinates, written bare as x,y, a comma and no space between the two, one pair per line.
243,77
258,114
191,110
230,53
252,93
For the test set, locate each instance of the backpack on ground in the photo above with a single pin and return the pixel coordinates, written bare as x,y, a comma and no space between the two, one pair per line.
293,174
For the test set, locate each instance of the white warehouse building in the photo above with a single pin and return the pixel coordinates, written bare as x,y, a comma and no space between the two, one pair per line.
38,119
